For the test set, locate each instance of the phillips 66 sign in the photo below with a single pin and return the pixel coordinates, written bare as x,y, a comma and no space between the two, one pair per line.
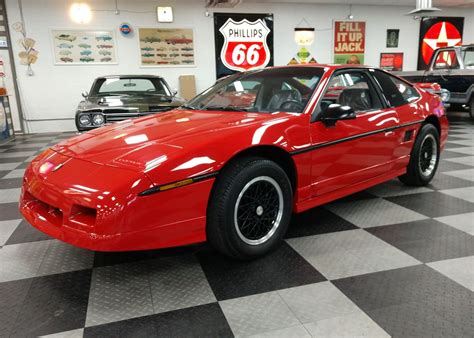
243,42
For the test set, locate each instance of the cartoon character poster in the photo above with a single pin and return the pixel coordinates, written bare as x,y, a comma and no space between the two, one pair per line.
243,42
437,32
349,42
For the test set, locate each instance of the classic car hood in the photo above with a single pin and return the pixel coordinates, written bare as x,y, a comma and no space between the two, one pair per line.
138,102
142,144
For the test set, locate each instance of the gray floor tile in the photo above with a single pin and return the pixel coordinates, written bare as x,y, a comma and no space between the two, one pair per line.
350,325
463,222
298,331
61,257
374,212
6,229
20,261
466,174
119,292
318,301
15,173
460,270
258,314
350,253
466,194
467,142
177,283
464,150
467,160
9,166
10,195
18,154
67,334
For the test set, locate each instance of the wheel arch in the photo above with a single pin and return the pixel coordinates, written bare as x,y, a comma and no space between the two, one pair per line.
273,153
432,119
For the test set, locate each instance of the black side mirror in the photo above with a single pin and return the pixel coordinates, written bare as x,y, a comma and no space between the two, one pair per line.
335,112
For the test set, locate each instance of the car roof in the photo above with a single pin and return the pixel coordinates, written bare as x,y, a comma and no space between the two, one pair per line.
138,76
328,65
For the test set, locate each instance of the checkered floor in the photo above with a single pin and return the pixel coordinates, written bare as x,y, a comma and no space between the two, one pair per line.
391,260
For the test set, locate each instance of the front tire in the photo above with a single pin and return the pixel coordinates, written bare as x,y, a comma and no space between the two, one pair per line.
250,208
424,157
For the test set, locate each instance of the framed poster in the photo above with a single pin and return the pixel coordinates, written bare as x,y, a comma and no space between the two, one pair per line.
349,42
83,47
166,47
242,42
437,32
391,61
392,38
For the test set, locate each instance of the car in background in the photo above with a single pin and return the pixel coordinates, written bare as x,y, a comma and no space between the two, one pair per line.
120,97
453,69
232,164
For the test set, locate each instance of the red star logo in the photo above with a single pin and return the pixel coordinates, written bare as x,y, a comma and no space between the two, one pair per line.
441,34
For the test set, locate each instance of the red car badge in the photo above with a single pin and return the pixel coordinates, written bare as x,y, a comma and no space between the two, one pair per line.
245,44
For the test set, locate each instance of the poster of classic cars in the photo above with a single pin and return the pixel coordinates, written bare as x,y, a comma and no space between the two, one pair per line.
243,42
349,42
437,32
83,47
166,47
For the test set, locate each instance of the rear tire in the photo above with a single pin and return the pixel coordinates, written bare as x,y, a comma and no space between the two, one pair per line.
250,208
424,157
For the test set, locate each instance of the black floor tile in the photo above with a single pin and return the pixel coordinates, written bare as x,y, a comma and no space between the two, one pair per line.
24,165
445,166
427,240
442,181
4,172
12,295
24,233
199,321
280,269
9,211
413,301
317,221
450,145
54,303
433,204
362,195
451,154
10,183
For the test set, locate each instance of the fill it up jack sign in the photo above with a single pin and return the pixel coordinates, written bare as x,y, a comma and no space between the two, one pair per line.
349,42
243,42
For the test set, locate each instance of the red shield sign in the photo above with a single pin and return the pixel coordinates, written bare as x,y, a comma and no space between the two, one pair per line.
245,44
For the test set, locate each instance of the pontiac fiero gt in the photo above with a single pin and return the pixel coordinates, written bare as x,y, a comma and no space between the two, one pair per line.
232,165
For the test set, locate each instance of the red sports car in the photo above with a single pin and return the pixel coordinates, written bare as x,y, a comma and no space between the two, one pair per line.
232,165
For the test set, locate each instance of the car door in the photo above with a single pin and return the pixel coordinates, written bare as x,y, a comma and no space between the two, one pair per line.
354,150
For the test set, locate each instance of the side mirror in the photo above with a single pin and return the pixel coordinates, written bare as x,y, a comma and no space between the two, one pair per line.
174,92
335,112
85,94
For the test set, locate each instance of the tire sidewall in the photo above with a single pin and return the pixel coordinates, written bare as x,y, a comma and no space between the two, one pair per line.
251,171
425,130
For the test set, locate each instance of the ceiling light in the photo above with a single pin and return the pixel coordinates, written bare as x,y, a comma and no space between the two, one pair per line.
80,13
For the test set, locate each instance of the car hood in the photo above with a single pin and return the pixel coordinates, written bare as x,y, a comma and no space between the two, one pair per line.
140,103
142,144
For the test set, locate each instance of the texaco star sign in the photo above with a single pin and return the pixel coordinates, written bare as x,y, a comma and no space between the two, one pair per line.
442,34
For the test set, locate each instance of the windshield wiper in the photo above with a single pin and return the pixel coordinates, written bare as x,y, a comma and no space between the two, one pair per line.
226,108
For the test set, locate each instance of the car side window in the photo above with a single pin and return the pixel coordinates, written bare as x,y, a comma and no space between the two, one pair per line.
446,59
392,93
351,89
408,92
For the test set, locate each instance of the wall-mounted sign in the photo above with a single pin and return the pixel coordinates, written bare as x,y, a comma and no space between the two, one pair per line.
125,29
166,47
83,47
392,38
391,61
349,42
243,42
437,32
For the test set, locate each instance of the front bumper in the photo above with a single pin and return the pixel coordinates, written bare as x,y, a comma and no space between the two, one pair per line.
97,207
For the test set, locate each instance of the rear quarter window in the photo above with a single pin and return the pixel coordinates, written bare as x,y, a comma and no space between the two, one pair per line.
397,92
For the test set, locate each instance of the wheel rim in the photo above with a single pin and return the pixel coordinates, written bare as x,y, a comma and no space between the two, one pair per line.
258,210
428,155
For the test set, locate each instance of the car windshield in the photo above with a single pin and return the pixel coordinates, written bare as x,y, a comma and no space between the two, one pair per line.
468,57
130,86
268,90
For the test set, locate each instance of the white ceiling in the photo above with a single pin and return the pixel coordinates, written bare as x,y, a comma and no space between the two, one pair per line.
408,3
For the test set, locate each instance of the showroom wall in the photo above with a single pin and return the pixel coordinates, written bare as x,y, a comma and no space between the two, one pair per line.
49,98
